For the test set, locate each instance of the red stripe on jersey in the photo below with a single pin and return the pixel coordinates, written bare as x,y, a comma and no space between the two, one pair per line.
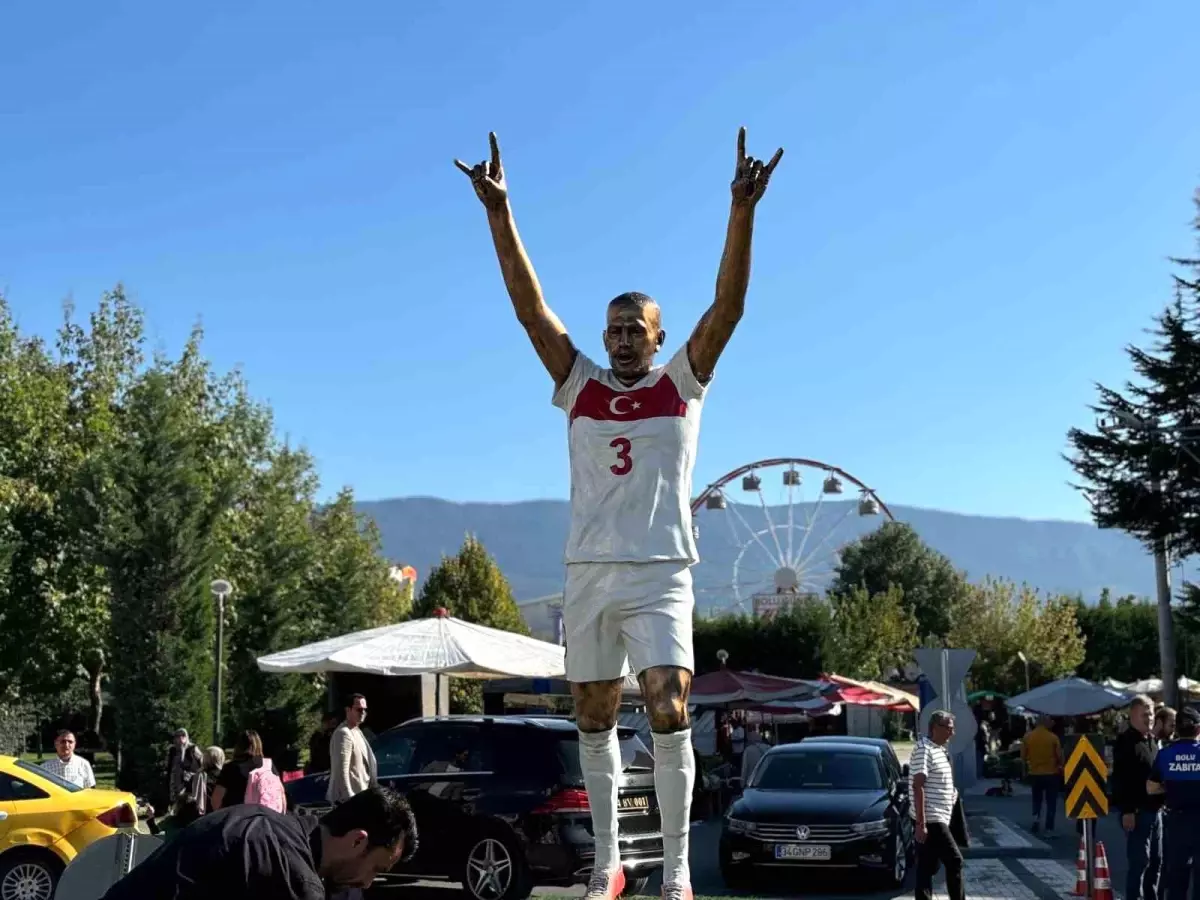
600,402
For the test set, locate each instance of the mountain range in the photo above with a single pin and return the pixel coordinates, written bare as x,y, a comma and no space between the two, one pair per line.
527,539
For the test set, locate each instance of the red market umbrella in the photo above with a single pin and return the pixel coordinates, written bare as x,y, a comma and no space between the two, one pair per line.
814,706
726,687
869,693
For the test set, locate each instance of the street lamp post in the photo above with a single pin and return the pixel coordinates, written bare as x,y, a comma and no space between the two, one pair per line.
220,590
1025,660
1162,572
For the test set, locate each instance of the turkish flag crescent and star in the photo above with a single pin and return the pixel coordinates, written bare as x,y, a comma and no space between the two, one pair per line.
602,403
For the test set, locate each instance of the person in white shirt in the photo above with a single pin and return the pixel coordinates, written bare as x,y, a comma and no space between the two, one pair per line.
66,765
931,780
632,437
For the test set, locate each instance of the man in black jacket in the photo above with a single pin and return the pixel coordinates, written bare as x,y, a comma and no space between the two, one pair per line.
250,852
1141,813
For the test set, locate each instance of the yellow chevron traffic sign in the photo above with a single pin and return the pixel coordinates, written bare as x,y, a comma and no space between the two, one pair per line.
1086,775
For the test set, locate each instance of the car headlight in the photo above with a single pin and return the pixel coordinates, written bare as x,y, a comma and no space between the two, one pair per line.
737,826
875,826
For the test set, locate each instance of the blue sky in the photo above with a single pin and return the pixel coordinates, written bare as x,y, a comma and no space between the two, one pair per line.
972,218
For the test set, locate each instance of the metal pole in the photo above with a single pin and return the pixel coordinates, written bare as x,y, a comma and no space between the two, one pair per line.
945,704
1027,675
1166,626
1089,854
220,674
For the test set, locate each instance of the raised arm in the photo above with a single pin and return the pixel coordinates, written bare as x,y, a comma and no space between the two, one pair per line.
545,329
733,277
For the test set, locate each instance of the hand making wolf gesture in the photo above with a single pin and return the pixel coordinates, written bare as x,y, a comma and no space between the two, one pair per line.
488,177
751,177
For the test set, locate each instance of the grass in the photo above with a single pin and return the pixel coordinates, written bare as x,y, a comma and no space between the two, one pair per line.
104,768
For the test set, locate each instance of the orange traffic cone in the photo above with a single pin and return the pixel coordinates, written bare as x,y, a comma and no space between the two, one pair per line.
1102,889
1081,871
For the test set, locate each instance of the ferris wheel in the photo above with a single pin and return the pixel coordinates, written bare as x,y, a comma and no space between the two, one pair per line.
771,531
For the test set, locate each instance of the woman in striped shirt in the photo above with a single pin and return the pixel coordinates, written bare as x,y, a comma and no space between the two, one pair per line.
931,776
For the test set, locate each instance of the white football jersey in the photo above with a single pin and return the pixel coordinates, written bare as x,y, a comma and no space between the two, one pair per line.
633,449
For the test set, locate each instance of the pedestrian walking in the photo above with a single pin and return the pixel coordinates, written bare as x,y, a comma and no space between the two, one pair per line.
931,785
249,777
1041,751
184,762
1134,754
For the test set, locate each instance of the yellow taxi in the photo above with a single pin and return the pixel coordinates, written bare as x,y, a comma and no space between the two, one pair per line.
45,822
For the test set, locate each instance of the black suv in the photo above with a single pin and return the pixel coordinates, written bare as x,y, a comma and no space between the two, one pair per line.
821,804
500,803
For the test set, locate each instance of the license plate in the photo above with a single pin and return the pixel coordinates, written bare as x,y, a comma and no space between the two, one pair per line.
642,802
802,851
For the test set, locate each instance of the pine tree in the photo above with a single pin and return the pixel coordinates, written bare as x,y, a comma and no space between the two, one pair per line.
157,509
1134,467
350,579
271,609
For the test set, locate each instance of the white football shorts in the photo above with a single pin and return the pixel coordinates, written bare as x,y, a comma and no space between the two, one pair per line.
619,617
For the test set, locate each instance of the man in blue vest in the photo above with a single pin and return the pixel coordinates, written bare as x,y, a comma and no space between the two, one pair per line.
1176,775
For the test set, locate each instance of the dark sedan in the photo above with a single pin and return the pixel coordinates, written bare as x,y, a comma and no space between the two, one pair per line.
820,805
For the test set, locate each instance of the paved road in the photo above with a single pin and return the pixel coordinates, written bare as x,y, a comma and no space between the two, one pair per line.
1006,862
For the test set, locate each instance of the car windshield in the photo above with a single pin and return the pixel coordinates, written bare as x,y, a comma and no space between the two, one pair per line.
634,755
48,776
817,771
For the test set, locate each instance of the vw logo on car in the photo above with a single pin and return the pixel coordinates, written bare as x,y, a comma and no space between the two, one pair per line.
802,833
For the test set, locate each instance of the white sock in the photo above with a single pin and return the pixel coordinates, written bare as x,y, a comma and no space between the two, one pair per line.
674,775
600,760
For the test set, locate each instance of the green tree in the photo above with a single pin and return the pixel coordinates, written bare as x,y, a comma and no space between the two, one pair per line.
1121,638
157,509
350,580
84,512
999,619
895,556
56,410
791,644
272,552
471,587
1137,478
870,636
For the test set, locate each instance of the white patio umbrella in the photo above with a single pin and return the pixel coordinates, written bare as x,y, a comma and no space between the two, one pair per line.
1155,686
1071,697
440,645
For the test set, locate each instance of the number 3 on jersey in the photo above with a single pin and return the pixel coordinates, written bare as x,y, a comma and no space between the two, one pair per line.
624,463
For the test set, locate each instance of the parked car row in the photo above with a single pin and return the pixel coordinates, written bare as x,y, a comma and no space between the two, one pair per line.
501,806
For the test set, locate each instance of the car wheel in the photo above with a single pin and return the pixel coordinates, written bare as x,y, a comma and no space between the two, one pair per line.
635,884
29,875
494,869
899,861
